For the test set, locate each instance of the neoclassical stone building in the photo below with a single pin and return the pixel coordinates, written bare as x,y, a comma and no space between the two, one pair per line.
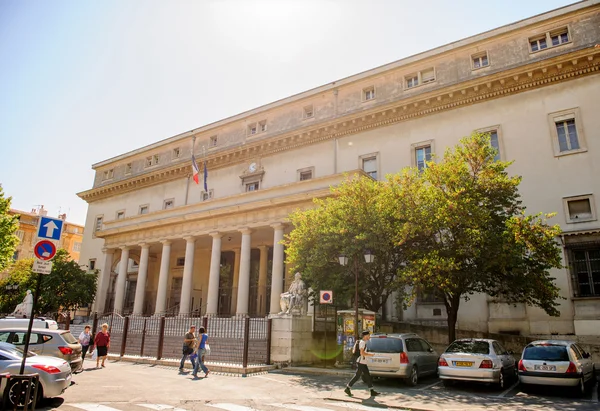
163,244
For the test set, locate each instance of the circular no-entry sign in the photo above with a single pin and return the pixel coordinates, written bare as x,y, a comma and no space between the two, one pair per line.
326,297
45,250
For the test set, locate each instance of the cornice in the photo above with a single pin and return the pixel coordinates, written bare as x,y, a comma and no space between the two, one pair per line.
527,77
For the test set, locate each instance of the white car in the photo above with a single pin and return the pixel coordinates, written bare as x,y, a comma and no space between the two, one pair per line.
558,363
40,322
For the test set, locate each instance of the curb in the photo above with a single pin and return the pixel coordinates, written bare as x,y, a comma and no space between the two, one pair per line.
317,371
377,404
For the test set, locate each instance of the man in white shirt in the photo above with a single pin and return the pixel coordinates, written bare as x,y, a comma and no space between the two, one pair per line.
362,369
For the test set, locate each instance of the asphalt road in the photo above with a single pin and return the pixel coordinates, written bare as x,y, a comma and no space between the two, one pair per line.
124,386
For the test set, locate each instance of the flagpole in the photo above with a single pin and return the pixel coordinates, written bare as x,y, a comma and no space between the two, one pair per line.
187,187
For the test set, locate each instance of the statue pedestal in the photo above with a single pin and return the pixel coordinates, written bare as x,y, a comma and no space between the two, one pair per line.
291,339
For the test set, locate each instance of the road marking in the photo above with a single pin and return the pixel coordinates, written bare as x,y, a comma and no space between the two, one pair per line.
429,386
160,407
92,407
300,407
509,389
595,393
232,407
355,406
273,379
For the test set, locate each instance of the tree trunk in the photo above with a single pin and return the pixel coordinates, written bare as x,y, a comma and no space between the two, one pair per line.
452,312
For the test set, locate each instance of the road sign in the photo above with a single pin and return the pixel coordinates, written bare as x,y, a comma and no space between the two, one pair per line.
326,297
44,250
42,266
50,228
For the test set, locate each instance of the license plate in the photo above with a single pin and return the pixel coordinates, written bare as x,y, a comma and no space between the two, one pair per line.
463,363
545,367
380,360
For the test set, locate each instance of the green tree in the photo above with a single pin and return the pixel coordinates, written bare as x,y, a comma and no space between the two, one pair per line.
357,217
13,287
9,224
470,232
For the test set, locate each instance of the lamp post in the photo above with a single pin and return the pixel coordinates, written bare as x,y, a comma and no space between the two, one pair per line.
369,257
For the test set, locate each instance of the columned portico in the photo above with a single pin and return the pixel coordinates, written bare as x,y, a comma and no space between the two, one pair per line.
277,271
188,270
104,280
121,280
163,277
140,290
213,279
244,279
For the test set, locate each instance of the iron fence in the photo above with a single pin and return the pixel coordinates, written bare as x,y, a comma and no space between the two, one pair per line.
239,340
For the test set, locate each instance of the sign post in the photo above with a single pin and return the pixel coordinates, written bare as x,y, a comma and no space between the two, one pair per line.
48,229
326,297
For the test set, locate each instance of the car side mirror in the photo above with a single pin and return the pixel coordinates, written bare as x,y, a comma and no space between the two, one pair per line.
430,349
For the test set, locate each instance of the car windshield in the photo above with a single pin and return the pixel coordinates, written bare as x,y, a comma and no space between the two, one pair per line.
470,347
385,345
68,337
546,353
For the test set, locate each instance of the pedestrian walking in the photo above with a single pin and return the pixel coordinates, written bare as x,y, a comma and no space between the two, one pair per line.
362,369
201,351
85,339
102,342
189,344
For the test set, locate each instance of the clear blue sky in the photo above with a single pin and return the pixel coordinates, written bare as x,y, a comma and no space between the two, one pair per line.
83,81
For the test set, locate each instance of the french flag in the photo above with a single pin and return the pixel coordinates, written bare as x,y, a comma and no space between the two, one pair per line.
196,170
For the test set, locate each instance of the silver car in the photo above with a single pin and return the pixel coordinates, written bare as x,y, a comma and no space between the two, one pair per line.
54,343
55,374
559,363
477,360
406,356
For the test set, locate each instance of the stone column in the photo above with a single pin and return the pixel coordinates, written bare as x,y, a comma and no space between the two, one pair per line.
140,288
277,271
236,278
188,272
104,280
163,278
121,280
262,279
244,281
212,299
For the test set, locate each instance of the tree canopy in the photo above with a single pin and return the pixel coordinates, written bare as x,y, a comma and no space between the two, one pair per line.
9,224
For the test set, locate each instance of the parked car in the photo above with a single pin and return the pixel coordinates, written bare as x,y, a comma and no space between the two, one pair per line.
554,362
477,360
40,322
55,374
406,356
54,343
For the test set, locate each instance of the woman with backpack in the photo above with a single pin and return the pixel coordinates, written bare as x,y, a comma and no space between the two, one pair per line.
362,369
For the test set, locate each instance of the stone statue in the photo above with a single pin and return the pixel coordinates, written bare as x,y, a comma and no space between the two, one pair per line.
295,297
24,308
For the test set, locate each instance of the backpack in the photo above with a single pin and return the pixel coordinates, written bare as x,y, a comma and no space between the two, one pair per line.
356,351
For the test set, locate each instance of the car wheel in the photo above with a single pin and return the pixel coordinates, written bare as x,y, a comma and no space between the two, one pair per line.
447,383
413,378
15,393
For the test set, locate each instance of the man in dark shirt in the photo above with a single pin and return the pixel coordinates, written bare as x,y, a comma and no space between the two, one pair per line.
189,343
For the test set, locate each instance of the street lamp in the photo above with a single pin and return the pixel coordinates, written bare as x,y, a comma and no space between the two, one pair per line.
369,258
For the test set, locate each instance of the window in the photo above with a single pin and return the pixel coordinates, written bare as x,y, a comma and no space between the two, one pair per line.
76,247
480,60
176,153
429,296
422,156
413,345
368,93
419,78
305,175
92,264
495,143
168,204
207,196
180,261
108,174
252,129
144,209
580,209
120,214
252,186
550,39
98,225
152,160
308,112
16,256
586,271
369,165
128,168
20,234
262,125
567,132
213,141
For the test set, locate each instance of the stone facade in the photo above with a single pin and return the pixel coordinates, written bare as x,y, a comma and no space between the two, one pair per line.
533,85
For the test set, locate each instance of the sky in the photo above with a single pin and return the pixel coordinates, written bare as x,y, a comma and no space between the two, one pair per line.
84,81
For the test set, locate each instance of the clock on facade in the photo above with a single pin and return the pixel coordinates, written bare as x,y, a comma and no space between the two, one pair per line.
252,167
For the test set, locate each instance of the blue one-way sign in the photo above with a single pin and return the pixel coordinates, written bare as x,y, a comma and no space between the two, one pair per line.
50,228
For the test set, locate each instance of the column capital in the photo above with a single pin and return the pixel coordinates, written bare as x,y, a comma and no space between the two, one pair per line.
107,250
125,248
278,226
215,234
166,242
190,238
245,230
144,245
263,247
